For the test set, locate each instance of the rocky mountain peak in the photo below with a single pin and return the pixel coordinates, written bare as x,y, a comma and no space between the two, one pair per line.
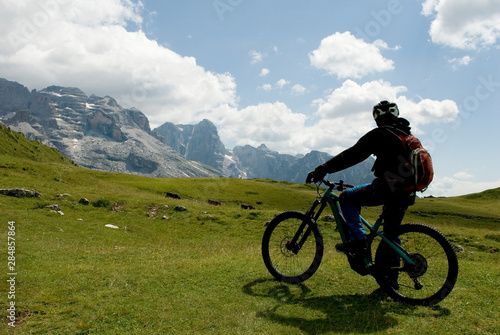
198,142
263,147
13,96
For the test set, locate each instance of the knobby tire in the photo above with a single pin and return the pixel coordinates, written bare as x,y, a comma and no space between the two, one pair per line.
286,265
435,274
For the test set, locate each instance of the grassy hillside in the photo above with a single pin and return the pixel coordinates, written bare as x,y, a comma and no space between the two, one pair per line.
14,144
200,271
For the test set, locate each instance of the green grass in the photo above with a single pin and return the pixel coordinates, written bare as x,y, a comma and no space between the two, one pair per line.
200,271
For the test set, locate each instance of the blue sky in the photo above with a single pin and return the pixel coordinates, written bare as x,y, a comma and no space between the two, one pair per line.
295,75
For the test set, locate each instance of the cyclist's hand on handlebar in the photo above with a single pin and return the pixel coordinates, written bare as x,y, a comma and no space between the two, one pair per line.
310,177
317,175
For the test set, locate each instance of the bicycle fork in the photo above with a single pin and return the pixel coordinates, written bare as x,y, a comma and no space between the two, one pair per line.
292,245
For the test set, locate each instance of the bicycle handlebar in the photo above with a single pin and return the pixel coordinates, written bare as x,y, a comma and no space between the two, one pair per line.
340,186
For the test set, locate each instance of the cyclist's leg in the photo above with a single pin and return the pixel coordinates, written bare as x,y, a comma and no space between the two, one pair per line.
393,214
395,205
395,200
357,249
351,202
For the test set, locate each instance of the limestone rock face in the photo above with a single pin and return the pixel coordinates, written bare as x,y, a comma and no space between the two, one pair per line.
95,132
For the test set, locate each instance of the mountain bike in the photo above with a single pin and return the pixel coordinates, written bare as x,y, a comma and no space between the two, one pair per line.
424,272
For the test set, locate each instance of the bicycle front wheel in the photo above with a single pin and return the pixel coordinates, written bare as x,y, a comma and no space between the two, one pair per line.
292,247
432,276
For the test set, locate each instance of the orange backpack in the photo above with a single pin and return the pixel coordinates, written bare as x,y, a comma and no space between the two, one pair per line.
418,161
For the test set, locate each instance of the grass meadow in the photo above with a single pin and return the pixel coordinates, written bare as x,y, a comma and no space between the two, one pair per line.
200,271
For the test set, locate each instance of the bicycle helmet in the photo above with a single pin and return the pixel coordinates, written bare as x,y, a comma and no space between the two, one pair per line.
385,107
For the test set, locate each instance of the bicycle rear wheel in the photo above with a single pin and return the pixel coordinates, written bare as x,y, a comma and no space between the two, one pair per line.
433,275
287,261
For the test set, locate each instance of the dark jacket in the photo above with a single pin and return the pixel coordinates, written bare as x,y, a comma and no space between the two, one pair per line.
386,146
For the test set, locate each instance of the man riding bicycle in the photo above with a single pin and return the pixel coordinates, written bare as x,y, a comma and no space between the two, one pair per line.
388,187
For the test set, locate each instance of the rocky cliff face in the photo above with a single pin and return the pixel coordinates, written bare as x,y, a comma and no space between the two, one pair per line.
262,162
13,96
202,143
96,132
199,142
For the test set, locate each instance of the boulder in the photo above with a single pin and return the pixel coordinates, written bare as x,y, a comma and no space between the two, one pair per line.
84,201
55,207
20,193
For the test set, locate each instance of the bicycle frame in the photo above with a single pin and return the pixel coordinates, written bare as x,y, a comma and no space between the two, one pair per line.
332,200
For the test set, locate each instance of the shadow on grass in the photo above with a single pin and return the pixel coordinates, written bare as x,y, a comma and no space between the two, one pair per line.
336,313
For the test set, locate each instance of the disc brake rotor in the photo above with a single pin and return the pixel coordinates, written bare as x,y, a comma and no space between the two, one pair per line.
419,268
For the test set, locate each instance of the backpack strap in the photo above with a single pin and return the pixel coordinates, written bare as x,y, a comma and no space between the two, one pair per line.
394,129
400,136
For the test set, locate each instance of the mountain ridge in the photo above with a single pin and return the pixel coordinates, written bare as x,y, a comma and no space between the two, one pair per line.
97,133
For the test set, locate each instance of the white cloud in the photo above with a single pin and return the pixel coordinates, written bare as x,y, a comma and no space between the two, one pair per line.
354,98
298,89
428,7
279,85
457,62
265,87
345,56
348,110
264,72
97,45
463,175
463,24
271,123
282,83
256,57
427,111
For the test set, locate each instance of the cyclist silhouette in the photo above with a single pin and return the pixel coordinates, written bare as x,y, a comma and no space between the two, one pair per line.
388,187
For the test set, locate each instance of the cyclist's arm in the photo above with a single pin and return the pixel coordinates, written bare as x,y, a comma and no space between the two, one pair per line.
352,156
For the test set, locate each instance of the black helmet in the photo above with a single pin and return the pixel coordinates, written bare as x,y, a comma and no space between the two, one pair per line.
385,107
